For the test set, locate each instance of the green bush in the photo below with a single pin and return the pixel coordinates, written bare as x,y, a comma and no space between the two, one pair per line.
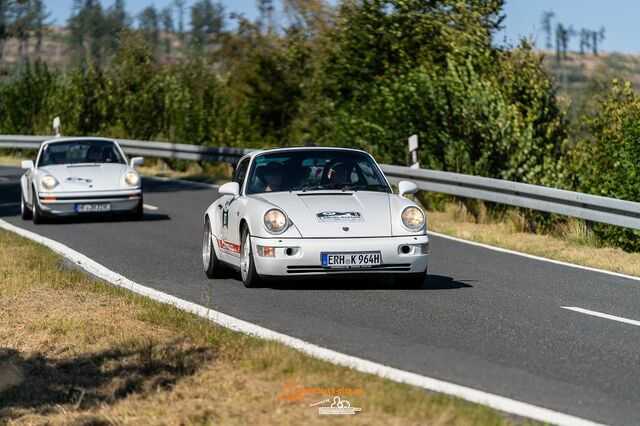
607,164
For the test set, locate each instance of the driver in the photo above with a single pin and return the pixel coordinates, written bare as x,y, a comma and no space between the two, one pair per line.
94,154
273,177
337,174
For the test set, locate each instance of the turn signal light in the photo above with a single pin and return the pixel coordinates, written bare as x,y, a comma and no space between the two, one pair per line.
266,251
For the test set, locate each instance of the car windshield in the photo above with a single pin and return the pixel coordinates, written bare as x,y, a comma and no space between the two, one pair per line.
315,170
82,151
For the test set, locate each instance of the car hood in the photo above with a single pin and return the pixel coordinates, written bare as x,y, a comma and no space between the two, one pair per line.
335,214
87,177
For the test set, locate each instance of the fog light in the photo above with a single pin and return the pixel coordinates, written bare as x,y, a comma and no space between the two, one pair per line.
266,251
424,248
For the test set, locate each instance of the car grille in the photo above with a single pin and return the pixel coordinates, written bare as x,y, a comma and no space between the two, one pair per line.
305,269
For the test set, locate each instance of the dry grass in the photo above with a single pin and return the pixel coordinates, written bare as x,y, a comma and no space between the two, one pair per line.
76,350
215,173
572,242
11,160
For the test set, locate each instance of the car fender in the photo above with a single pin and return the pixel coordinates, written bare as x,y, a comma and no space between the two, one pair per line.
252,213
397,205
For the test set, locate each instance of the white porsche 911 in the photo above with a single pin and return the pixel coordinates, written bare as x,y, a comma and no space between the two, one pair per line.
308,212
78,176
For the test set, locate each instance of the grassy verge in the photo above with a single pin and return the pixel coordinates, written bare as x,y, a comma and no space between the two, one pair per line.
215,173
76,350
571,242
11,160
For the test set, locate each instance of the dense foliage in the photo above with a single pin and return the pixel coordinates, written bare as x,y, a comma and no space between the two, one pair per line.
366,73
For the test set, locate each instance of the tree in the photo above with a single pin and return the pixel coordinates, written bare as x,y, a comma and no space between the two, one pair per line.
585,40
149,24
596,37
207,23
179,4
4,24
166,19
90,32
545,20
39,25
563,36
265,9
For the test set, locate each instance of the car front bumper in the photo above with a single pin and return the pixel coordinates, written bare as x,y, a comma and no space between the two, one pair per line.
64,204
303,259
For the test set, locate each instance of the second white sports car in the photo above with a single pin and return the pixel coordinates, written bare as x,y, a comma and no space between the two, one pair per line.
307,212
77,176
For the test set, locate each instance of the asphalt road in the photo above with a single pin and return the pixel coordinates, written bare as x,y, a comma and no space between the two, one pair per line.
484,319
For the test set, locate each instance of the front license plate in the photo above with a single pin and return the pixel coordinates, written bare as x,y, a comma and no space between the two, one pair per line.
93,208
351,260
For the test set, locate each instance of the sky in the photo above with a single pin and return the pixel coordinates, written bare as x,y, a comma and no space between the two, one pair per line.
620,18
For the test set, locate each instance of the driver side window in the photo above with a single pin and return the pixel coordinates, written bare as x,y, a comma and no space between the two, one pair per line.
241,172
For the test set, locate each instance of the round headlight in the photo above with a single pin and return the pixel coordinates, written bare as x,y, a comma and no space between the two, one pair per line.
49,181
413,218
132,178
275,221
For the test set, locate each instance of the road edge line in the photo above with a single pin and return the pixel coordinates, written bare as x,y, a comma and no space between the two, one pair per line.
534,257
497,402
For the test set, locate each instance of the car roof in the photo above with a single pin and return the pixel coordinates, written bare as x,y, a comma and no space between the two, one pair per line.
301,148
78,138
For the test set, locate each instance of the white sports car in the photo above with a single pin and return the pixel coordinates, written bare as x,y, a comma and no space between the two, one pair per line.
77,176
308,212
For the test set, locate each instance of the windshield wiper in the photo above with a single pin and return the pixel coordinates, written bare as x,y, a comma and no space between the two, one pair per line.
357,187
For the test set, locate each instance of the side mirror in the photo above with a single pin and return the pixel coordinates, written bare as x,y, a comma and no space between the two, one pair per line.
137,161
406,187
28,165
230,188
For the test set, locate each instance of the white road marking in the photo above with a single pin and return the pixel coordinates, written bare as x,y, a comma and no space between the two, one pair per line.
497,402
150,207
531,256
601,315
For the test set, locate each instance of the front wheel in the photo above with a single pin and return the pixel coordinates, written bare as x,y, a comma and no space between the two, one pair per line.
36,213
25,211
210,262
414,281
138,213
250,277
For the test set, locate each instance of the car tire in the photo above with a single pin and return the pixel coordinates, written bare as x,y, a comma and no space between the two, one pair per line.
212,266
138,213
25,210
415,281
250,277
36,213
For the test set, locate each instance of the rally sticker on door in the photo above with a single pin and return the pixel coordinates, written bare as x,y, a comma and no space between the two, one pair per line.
333,216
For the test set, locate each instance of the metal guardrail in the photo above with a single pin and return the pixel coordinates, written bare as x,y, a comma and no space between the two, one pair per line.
584,206
150,148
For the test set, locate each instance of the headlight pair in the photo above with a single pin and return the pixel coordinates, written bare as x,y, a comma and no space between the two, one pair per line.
413,218
275,221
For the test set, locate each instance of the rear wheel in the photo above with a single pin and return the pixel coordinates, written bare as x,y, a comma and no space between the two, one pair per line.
250,277
210,262
25,211
36,213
